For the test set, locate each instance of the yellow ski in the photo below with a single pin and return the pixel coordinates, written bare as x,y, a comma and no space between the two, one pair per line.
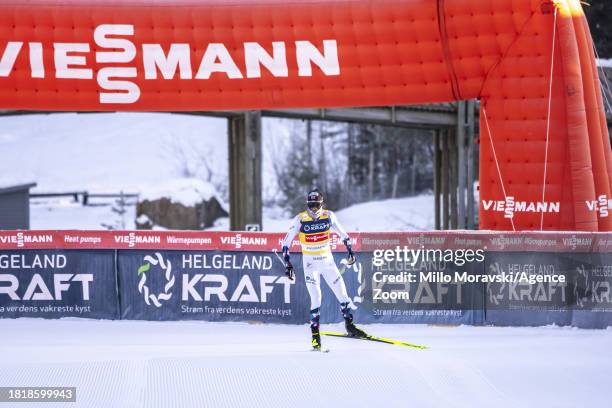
374,338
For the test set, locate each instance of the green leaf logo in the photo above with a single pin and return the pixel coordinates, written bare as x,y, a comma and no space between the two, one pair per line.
144,268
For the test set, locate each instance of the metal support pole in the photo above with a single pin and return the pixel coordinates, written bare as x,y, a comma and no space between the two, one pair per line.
453,180
437,178
461,164
245,168
445,179
471,173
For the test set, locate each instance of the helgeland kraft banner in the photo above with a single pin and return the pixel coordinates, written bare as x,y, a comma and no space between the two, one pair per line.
251,286
207,285
583,299
420,289
58,283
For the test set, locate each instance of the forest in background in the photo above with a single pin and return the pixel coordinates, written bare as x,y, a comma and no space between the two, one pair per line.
352,163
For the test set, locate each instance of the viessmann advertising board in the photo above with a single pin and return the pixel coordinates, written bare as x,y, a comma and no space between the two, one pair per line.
450,278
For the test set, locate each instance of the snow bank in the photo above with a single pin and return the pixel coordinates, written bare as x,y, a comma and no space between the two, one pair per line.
186,191
399,215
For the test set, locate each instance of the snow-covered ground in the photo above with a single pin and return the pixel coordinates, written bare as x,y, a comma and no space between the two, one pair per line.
195,364
60,214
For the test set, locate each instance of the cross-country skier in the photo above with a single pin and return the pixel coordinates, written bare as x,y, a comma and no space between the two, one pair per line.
314,227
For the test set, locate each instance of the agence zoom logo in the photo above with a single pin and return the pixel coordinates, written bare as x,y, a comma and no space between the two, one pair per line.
73,60
201,287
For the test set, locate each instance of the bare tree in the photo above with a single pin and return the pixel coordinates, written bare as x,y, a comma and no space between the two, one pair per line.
192,160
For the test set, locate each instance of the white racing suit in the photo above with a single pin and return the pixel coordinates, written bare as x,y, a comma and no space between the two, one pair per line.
317,259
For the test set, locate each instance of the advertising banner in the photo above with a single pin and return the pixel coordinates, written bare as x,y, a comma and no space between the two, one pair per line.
436,278
223,285
208,285
410,278
582,299
58,283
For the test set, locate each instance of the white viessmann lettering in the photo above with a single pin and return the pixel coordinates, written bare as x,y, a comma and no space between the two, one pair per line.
602,206
132,239
511,206
239,240
74,61
21,239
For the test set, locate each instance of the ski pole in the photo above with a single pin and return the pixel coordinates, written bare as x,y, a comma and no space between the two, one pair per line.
280,259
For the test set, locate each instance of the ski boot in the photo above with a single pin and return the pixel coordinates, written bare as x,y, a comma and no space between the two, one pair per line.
314,328
316,339
351,329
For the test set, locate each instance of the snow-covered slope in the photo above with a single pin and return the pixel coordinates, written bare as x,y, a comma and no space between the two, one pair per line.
194,364
402,214
106,152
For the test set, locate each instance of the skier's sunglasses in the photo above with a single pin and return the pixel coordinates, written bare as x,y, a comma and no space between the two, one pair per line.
314,205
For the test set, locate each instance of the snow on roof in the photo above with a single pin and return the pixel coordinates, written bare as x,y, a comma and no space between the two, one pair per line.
186,191
9,182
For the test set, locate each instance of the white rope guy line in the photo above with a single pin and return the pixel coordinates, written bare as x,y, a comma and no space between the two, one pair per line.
550,87
603,82
501,180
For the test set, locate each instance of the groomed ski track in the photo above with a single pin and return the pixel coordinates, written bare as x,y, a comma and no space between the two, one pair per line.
196,364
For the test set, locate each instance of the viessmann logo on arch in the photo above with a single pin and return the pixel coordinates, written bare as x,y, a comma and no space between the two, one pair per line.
510,206
602,206
74,60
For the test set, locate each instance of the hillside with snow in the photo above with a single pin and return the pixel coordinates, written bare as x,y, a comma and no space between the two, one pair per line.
181,156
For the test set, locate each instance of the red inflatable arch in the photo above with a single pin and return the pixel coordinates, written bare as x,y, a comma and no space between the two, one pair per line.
545,153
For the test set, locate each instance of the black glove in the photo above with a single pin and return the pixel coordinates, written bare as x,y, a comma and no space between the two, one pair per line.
351,256
288,266
289,271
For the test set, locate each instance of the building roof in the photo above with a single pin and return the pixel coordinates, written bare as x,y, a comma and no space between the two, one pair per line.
20,187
